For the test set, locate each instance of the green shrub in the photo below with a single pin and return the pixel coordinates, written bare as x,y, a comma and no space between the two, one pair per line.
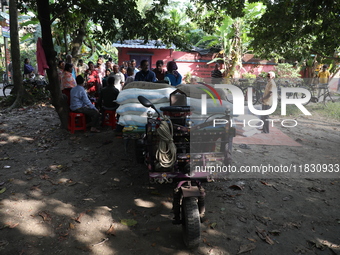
286,70
250,76
330,110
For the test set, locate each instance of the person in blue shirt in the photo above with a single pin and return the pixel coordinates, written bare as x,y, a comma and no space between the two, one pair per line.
145,74
28,69
79,102
69,60
172,75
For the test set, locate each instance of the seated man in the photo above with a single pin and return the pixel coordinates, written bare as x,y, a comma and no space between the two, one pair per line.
107,95
82,104
145,74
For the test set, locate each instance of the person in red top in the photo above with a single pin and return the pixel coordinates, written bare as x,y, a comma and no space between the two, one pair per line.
159,71
92,79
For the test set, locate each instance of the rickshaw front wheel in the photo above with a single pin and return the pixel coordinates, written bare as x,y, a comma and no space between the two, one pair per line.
191,222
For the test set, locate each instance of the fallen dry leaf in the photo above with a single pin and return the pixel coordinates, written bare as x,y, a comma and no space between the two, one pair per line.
275,232
71,226
35,187
11,225
265,183
292,224
46,216
236,187
261,219
316,189
79,217
264,235
242,219
111,230
44,177
206,242
246,247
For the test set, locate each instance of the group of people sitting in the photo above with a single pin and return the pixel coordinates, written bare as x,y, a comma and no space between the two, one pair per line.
80,102
103,82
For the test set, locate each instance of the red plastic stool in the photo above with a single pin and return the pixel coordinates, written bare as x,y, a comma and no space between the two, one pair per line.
76,121
109,119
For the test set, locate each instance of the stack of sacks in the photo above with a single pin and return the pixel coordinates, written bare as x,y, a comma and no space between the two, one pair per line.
240,123
131,111
194,93
214,107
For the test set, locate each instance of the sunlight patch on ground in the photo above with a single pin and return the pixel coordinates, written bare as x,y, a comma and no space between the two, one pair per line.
12,210
33,206
102,249
167,205
143,203
62,208
7,138
19,182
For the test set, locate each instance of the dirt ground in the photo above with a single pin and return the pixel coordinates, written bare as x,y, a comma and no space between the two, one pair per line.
84,194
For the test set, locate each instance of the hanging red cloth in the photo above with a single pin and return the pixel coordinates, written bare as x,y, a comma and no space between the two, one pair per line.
41,58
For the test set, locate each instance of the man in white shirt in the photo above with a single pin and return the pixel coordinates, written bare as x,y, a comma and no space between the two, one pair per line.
119,77
81,68
133,65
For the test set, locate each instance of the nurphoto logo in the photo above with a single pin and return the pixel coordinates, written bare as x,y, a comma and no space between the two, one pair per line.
238,105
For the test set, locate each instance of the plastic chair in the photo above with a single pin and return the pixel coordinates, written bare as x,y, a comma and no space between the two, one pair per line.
76,121
109,119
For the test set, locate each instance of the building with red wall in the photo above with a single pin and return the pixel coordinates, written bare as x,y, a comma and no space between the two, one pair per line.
194,62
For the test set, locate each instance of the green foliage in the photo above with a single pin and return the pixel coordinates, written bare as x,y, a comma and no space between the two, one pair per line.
330,110
230,35
286,70
187,77
295,29
263,74
109,20
249,76
290,29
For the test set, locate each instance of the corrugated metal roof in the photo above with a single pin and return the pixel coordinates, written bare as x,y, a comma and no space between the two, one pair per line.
139,44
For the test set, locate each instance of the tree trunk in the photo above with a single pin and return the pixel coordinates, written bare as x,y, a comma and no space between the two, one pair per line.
15,54
58,100
78,40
